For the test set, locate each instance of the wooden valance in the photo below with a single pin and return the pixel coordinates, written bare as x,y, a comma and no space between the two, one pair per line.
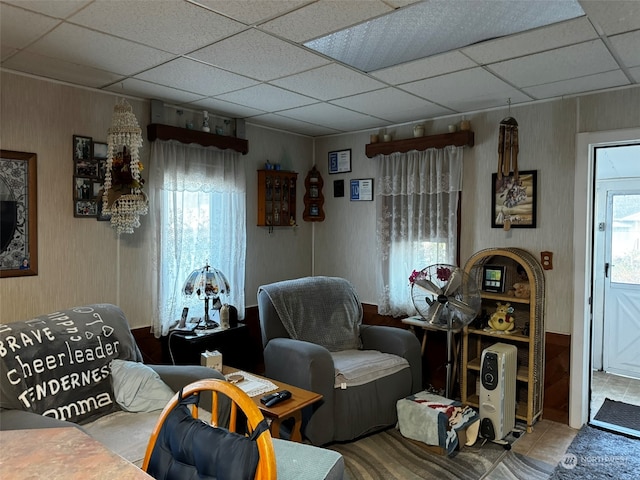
157,131
463,138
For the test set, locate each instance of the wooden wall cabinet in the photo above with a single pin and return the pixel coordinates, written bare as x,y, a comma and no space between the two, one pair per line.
313,197
528,335
276,198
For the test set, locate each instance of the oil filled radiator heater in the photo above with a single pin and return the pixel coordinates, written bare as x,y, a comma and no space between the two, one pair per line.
498,368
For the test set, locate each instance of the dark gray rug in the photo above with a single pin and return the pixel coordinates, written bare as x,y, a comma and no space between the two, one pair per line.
388,455
619,413
596,454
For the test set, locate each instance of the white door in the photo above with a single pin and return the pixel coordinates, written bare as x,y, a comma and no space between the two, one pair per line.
621,345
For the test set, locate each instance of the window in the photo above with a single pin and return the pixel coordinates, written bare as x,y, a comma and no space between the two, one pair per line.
199,218
417,200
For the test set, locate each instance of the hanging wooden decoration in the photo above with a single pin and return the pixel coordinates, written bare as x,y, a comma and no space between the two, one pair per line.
508,147
508,152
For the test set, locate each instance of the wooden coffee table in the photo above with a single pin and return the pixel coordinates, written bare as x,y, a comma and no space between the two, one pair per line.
290,408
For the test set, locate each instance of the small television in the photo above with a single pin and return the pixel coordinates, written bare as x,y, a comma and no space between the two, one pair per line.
493,277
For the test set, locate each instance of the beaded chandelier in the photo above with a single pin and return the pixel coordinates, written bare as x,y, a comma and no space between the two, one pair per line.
123,198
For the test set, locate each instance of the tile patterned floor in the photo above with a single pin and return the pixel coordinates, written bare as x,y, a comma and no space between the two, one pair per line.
548,442
615,387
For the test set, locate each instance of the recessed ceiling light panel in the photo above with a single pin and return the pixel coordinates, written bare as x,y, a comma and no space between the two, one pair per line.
436,26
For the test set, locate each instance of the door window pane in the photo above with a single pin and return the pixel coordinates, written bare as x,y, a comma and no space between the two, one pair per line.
625,239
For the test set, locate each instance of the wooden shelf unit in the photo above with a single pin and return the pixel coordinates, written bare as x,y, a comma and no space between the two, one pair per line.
313,197
157,131
530,373
277,198
463,138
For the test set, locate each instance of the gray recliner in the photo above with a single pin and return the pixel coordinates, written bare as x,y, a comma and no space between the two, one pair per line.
313,338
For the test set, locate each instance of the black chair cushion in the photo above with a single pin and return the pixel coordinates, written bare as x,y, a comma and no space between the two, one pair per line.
188,448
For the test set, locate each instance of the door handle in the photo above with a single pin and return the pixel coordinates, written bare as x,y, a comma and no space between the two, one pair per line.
606,270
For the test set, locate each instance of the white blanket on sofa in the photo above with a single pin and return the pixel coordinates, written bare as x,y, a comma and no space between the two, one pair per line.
357,367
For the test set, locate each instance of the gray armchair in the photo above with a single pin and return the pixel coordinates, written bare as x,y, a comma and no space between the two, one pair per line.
313,338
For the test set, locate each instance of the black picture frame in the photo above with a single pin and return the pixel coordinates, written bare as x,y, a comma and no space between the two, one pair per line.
82,148
514,201
493,278
85,208
18,214
99,151
340,161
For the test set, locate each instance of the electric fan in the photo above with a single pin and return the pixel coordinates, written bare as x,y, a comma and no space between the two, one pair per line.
447,298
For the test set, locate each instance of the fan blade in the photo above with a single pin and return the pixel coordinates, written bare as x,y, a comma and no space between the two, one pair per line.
433,314
455,280
463,307
429,286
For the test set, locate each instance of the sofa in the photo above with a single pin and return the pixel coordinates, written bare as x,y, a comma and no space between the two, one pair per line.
82,368
55,371
313,338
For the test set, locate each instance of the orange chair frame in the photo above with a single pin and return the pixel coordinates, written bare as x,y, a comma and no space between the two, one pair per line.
267,464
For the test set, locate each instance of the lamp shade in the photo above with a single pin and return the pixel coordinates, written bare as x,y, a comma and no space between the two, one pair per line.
207,283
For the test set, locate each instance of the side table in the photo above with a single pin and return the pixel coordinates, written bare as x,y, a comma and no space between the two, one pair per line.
290,408
184,348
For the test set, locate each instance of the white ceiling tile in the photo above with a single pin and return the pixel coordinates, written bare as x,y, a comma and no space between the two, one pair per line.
393,105
533,41
328,82
57,8
140,88
613,16
332,116
291,125
589,83
563,63
187,74
193,26
12,26
226,108
85,47
266,97
635,73
627,46
251,12
324,16
259,55
424,68
60,70
465,91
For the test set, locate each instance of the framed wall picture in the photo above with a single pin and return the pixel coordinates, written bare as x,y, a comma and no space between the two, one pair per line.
340,161
514,202
18,214
86,208
362,190
82,148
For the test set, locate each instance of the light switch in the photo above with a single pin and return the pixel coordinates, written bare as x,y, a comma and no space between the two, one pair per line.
546,259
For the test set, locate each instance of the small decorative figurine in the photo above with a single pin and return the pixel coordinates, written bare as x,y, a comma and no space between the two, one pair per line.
502,319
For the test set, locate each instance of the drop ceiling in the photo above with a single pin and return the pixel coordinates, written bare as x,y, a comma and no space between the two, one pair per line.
257,59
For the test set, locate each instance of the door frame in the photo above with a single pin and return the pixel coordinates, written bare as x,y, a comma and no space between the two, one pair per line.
583,201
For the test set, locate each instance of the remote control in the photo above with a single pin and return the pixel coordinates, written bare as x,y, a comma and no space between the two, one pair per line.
279,397
268,397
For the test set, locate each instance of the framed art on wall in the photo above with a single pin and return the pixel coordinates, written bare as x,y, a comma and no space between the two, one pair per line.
514,202
340,161
18,214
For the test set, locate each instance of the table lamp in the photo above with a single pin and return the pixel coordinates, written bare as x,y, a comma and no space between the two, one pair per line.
207,283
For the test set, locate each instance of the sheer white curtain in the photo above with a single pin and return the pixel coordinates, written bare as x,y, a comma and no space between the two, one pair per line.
417,195
198,215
